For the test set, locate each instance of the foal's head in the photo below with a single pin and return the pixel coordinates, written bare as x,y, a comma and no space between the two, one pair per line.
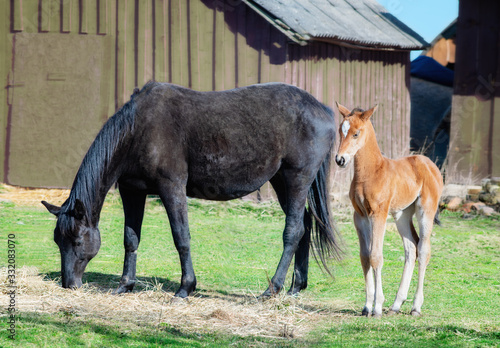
353,133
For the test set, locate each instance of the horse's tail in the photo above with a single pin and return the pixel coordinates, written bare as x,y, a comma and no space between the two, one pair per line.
325,236
436,218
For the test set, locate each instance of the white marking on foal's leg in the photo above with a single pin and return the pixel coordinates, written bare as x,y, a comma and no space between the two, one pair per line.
404,223
345,127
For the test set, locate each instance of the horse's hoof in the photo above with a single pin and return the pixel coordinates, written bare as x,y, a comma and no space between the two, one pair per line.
377,315
416,313
182,293
366,313
270,292
294,291
124,288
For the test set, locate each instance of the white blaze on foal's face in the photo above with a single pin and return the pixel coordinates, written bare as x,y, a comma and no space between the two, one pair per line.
345,127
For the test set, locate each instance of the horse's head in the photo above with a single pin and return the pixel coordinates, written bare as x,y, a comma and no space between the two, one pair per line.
352,133
78,241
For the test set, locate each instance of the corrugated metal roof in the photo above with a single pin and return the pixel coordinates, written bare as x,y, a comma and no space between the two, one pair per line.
356,22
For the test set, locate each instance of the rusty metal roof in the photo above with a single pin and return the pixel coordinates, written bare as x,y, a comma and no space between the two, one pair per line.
355,22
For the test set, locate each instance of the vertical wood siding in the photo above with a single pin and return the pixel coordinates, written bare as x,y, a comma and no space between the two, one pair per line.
215,45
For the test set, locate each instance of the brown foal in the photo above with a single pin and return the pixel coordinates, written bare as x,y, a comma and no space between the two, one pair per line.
382,186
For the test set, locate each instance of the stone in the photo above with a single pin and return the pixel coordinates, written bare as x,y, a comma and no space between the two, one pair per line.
454,203
488,198
472,197
453,190
478,206
495,189
467,207
487,211
474,190
486,185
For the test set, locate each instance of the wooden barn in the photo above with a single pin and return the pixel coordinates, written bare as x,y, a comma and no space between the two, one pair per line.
474,151
68,65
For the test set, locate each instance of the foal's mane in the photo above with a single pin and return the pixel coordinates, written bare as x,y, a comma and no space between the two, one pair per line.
94,166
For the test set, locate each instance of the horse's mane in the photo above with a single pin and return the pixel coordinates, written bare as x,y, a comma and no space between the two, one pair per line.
95,163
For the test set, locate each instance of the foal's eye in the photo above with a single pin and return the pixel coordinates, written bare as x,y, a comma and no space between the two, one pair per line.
355,135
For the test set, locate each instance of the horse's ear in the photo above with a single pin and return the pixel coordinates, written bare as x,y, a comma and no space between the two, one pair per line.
53,209
79,210
368,113
343,110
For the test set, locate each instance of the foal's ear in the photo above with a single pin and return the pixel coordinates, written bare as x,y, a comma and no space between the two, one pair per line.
53,209
343,110
79,210
368,113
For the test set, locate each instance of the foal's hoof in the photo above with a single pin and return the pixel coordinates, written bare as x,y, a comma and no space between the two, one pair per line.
415,313
366,313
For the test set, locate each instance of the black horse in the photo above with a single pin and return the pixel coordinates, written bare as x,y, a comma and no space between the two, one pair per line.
176,142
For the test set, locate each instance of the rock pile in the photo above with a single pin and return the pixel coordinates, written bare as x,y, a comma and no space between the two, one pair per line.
484,199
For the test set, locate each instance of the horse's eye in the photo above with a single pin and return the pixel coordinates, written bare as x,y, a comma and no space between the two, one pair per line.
355,135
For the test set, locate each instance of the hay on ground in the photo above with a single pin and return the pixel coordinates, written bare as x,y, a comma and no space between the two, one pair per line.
243,315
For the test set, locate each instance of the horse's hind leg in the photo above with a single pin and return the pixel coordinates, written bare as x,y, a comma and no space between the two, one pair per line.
301,268
410,240
133,207
174,199
296,194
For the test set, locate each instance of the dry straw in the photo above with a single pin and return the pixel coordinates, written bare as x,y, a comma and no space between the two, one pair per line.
32,197
238,314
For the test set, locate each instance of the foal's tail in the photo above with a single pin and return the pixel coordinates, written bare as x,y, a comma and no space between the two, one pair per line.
326,238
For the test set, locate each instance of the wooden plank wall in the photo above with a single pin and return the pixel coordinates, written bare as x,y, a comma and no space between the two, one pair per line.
216,45
475,121
212,45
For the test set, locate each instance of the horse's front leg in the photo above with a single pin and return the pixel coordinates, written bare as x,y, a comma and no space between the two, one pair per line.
175,202
133,207
293,233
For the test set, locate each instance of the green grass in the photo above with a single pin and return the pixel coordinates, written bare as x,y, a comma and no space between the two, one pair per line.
235,246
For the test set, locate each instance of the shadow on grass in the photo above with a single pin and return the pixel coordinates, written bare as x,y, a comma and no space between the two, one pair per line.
82,332
109,282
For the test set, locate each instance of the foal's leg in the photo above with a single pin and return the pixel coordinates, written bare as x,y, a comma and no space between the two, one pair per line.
410,240
363,228
425,214
174,199
294,229
133,207
299,278
378,222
